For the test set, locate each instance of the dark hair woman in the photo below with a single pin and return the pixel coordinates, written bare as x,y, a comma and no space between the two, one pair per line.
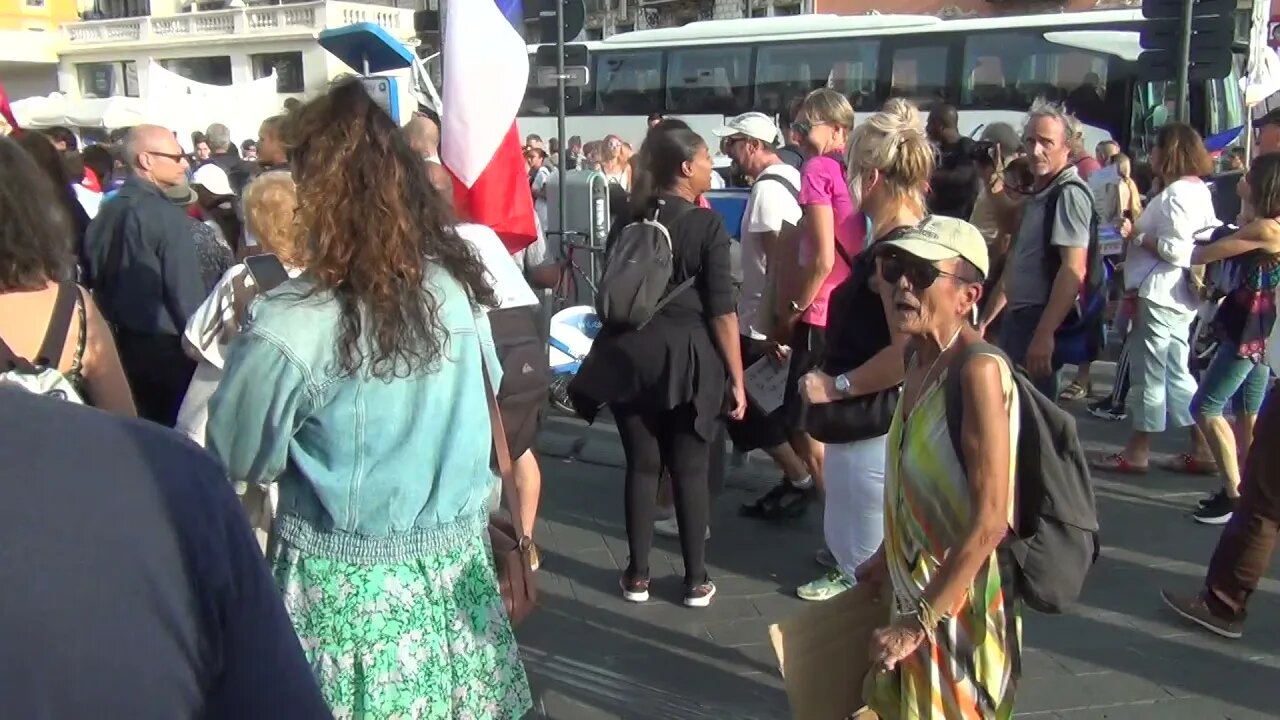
359,387
665,382
36,266
49,160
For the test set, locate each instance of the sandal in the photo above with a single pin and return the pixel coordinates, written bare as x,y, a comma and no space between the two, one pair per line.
784,502
1076,391
1118,464
1186,464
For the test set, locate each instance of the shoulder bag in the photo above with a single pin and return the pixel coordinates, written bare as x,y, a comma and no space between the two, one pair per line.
509,540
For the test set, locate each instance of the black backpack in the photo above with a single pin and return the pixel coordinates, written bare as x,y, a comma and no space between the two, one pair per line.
637,272
1056,540
1093,297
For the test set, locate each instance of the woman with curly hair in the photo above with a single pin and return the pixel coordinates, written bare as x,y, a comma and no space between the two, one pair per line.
359,388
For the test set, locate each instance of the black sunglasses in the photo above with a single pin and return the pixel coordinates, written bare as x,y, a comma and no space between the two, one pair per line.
176,157
920,273
800,127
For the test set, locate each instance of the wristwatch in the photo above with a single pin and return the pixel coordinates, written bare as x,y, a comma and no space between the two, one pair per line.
842,384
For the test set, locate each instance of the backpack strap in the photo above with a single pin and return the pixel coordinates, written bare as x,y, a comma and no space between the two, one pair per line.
688,282
55,337
785,183
952,390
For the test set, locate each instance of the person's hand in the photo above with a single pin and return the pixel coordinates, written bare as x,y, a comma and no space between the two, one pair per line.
739,410
1126,227
818,387
893,644
1040,355
781,353
873,571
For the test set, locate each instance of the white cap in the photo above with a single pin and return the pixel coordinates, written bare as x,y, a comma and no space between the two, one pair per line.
754,125
212,178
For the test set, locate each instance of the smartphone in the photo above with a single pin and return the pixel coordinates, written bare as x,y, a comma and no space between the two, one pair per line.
266,270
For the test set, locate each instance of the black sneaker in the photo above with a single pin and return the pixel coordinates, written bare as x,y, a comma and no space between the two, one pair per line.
1213,497
634,590
784,501
1217,511
1106,411
700,596
1195,609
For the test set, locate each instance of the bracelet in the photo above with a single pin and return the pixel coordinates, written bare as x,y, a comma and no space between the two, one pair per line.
928,618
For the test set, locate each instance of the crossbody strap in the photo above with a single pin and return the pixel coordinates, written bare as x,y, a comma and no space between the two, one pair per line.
55,336
509,490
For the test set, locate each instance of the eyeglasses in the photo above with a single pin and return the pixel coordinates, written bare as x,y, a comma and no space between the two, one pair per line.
800,127
919,273
176,157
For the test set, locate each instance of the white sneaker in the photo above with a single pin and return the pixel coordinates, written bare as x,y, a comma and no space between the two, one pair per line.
666,527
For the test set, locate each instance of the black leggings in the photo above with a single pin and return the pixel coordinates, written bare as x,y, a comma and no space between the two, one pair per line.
652,441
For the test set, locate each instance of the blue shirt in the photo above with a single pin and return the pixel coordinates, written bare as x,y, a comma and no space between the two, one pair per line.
370,469
133,586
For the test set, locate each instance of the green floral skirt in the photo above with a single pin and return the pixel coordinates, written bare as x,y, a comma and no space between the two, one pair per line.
422,640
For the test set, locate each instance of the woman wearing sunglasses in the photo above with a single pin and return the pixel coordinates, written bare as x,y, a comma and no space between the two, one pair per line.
889,163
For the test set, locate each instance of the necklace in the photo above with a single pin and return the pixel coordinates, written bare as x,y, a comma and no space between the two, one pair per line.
924,382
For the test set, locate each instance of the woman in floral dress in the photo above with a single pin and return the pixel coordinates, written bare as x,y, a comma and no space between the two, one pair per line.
359,388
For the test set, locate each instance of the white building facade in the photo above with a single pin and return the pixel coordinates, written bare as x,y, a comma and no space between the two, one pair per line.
110,57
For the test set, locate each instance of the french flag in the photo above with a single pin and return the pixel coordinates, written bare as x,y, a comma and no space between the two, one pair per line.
486,70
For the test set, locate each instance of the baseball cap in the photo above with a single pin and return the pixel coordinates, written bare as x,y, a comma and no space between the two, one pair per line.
753,124
942,238
1271,118
212,178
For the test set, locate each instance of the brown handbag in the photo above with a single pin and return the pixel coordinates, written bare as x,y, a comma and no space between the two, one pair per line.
511,545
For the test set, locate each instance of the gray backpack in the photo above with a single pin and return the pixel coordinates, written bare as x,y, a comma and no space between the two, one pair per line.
1056,542
637,273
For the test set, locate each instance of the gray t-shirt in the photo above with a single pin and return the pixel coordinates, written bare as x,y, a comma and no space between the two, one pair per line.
1026,284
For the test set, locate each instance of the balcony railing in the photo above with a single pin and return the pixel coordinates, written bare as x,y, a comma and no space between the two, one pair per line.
275,19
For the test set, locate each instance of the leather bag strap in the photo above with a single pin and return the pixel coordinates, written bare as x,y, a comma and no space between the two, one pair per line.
500,448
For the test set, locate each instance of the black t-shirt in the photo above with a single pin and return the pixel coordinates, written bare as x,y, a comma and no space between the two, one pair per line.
954,185
856,326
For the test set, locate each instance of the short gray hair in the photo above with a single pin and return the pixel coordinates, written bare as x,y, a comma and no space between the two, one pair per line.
1072,130
219,136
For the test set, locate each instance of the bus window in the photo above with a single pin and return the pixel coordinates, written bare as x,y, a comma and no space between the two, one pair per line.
919,74
711,80
1010,70
628,83
787,71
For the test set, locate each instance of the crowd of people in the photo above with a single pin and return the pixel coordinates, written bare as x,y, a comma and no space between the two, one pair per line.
312,316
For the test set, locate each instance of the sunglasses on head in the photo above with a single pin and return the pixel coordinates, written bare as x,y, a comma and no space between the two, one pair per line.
920,273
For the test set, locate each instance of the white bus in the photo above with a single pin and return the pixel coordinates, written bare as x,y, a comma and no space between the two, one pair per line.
991,69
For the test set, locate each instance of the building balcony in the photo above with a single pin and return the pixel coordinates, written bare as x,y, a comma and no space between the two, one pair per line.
300,19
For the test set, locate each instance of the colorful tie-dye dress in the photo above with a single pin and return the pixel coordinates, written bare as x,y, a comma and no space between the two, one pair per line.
971,670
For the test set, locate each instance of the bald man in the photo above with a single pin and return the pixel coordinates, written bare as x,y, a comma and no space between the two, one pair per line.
142,264
424,137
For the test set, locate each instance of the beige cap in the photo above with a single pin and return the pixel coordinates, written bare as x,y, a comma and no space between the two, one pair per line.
942,238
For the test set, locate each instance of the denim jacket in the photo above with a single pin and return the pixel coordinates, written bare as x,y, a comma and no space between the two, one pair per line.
370,470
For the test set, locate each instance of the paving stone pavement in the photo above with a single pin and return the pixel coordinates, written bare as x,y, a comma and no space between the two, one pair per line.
1120,655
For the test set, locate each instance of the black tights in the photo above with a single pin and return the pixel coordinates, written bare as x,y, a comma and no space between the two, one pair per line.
652,441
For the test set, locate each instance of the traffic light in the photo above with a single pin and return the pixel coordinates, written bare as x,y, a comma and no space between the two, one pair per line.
545,12
1212,34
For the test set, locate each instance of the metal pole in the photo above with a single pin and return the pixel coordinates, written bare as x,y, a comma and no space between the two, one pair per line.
1184,62
560,112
